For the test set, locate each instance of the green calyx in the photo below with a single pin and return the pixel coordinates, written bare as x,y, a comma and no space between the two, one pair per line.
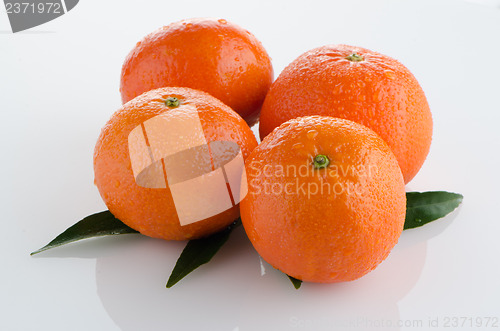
172,102
354,57
321,161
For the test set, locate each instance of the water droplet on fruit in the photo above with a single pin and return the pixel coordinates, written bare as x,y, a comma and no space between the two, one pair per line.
311,134
222,21
390,74
361,83
298,146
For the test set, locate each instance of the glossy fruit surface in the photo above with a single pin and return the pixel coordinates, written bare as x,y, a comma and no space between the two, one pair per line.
326,199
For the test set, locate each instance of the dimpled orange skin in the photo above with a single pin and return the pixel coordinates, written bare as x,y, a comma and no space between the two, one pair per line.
322,237
151,211
211,55
378,92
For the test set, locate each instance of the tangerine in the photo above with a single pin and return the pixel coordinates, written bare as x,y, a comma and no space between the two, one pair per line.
139,193
326,199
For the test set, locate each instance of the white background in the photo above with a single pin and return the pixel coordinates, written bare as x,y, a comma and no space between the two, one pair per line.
59,85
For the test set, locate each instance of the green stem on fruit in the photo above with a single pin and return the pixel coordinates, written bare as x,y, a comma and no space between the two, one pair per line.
172,102
321,161
354,57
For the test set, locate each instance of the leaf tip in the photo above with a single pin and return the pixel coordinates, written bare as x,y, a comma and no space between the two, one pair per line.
297,283
171,282
39,250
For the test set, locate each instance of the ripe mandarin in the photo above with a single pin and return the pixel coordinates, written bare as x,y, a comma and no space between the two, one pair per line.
326,199
152,211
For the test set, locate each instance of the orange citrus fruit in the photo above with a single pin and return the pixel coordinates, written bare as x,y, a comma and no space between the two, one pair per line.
326,199
146,203
212,55
359,85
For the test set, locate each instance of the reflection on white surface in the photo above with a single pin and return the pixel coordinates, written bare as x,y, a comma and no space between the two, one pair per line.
231,290
262,267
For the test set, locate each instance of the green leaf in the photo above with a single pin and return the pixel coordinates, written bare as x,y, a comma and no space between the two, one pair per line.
96,225
296,282
198,252
425,207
